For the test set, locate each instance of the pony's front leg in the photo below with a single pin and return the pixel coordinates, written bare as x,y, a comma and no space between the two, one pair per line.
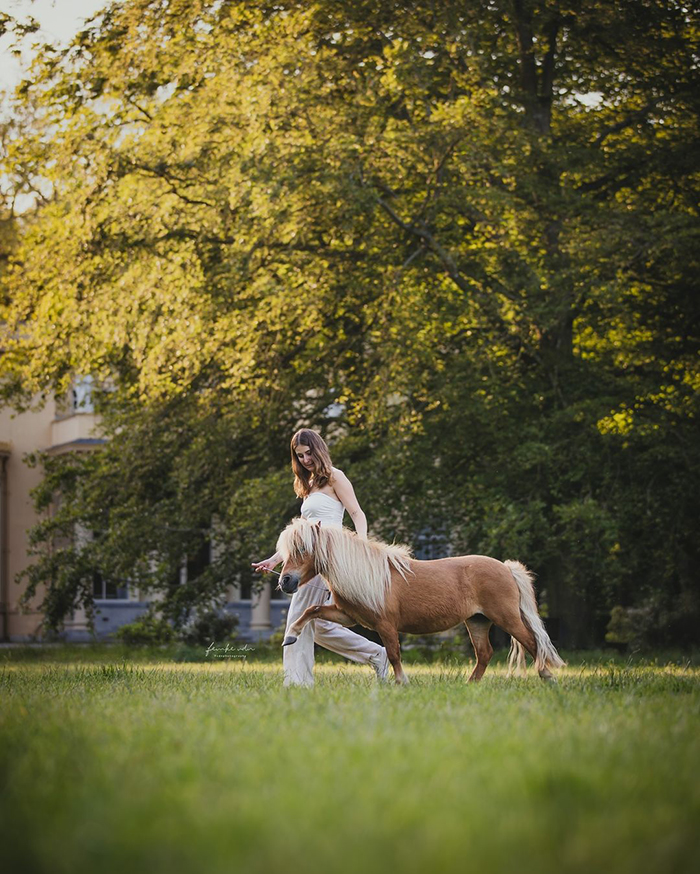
329,612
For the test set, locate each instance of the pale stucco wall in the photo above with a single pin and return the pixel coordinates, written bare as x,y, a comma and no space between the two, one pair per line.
42,429
22,433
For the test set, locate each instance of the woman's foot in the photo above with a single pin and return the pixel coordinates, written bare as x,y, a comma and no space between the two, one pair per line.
380,663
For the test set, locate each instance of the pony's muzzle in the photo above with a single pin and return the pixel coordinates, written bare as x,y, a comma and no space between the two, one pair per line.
289,584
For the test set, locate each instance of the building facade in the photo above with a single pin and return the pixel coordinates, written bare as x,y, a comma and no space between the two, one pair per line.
70,425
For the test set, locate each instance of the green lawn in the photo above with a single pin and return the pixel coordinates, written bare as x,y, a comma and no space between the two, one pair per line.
156,766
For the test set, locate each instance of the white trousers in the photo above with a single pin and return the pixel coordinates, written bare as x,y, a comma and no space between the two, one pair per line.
298,658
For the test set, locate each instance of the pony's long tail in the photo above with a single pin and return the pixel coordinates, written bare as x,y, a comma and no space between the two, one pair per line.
547,656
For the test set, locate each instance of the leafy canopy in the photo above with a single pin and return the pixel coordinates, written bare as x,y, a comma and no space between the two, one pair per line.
470,227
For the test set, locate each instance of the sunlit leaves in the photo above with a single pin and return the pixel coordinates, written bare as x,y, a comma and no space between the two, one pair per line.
255,212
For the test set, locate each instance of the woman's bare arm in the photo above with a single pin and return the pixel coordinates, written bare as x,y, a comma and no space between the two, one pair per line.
267,564
346,494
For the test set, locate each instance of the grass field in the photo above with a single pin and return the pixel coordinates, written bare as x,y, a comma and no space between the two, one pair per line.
154,766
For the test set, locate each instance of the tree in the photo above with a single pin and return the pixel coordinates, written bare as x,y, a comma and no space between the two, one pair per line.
471,225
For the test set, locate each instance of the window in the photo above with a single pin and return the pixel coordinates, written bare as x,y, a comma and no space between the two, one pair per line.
199,561
78,398
105,590
430,545
82,395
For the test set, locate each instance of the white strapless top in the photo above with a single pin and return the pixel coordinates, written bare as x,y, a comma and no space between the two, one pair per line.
323,508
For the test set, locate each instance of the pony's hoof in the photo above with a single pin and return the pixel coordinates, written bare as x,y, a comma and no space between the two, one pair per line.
289,639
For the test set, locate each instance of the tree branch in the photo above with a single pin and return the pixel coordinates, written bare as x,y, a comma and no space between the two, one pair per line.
528,68
633,118
548,65
420,230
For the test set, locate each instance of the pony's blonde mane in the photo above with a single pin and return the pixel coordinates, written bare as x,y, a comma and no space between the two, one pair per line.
359,570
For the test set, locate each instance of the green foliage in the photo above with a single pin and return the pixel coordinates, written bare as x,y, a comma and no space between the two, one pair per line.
147,630
454,647
210,627
150,629
659,620
472,226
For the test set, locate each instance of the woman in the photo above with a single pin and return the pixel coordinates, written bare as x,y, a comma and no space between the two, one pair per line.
327,493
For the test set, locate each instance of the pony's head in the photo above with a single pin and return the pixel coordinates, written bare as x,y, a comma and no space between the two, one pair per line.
297,545
355,568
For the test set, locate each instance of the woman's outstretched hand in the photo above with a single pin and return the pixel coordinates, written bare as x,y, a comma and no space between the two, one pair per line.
266,565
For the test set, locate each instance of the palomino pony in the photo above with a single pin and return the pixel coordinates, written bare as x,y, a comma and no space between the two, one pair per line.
384,588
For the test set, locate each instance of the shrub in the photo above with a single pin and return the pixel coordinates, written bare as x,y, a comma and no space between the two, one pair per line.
210,627
451,646
148,629
658,621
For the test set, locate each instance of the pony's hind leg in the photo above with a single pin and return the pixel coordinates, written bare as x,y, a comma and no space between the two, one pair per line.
478,627
390,639
524,636
517,629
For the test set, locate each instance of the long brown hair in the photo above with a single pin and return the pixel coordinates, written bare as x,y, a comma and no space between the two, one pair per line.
323,468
